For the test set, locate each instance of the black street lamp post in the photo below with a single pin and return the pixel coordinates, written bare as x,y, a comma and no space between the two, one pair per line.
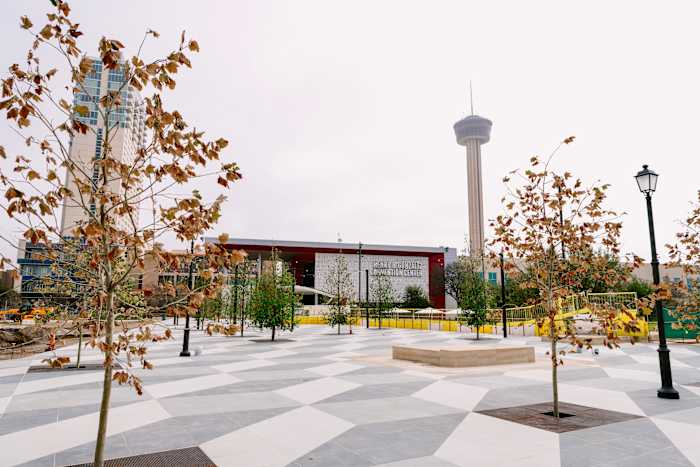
232,319
186,336
359,273
367,296
503,297
646,180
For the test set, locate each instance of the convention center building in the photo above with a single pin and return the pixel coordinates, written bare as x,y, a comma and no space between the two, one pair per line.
405,266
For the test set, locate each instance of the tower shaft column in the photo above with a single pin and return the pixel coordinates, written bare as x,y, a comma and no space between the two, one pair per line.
475,197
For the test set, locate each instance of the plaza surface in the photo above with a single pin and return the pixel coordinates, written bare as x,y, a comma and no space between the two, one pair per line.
318,399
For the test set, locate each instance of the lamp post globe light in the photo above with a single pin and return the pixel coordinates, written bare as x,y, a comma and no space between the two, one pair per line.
646,181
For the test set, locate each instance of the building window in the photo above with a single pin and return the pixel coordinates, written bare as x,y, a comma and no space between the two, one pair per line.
492,278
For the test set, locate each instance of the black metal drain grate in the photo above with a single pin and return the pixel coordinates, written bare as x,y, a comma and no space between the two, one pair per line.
83,367
188,457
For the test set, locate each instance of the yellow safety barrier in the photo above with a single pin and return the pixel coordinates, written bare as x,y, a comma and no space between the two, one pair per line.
563,319
311,320
526,316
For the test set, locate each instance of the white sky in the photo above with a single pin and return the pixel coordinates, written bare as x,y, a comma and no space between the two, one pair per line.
340,114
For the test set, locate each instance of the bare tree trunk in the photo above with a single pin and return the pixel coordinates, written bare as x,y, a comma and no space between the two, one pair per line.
106,385
338,328
553,349
242,315
555,382
273,333
80,345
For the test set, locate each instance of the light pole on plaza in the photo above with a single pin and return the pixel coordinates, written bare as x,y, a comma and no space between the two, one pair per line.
186,336
646,180
359,273
504,316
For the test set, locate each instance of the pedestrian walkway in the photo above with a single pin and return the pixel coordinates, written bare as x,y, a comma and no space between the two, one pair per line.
318,399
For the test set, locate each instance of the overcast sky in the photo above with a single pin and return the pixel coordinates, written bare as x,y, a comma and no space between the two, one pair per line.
340,114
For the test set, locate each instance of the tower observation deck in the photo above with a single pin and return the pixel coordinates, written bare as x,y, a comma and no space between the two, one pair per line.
472,132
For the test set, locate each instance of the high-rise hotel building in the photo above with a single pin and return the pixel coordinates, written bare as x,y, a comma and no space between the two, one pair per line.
126,126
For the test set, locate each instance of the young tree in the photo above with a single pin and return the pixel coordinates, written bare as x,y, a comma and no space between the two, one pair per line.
273,301
382,294
638,286
414,297
519,290
105,193
532,234
455,275
685,253
475,295
339,286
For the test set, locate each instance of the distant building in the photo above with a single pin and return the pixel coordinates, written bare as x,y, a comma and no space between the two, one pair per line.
405,266
127,135
152,275
42,277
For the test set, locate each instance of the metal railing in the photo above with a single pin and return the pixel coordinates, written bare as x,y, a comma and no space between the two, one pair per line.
450,320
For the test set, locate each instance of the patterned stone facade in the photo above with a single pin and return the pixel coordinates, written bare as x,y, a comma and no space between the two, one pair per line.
403,271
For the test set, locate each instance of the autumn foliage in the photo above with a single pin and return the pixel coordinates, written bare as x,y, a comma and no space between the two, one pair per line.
558,232
108,190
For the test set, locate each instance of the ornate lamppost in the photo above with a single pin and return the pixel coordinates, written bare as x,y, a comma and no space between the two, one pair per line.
646,180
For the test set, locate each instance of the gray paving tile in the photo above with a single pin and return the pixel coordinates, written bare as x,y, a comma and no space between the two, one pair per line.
616,443
383,378
428,461
616,384
380,443
179,432
380,391
7,390
690,416
493,381
47,461
384,410
254,385
569,374
12,380
203,406
264,374
511,397
615,360
652,405
375,370
331,455
115,446
22,420
669,457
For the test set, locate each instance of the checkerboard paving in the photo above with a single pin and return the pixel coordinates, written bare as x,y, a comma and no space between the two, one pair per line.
318,399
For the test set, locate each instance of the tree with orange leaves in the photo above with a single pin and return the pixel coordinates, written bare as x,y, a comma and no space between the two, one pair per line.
107,191
560,233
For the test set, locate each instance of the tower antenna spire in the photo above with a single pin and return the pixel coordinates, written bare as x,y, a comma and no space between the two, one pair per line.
471,97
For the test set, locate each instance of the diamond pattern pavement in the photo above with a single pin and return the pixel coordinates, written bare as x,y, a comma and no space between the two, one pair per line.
318,399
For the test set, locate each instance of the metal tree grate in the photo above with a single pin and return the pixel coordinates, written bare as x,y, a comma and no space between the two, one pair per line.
83,367
188,457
